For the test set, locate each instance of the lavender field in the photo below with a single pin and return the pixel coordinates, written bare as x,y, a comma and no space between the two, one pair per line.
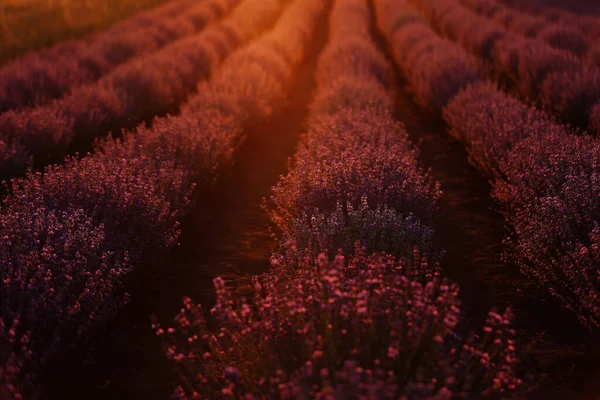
305,199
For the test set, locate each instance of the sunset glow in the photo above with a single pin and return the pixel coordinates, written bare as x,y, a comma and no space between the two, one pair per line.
299,199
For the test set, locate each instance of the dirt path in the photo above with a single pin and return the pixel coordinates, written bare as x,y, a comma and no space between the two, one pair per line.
228,234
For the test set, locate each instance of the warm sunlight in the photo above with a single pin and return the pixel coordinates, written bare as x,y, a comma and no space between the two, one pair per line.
299,199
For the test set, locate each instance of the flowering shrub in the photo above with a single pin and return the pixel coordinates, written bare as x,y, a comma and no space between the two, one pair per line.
350,156
43,131
20,80
355,166
545,177
370,326
535,62
594,53
158,90
51,73
572,92
490,123
354,172
556,214
62,278
444,73
260,54
546,180
92,112
389,22
128,197
504,17
196,144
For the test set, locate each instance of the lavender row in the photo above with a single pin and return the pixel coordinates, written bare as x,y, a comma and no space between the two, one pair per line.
567,37
73,235
130,94
554,79
436,68
543,175
355,167
547,181
365,326
42,76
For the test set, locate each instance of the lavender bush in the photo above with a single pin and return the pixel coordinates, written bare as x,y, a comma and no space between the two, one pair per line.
555,213
571,93
347,157
370,326
535,62
490,136
62,279
355,166
44,132
528,25
545,179
125,196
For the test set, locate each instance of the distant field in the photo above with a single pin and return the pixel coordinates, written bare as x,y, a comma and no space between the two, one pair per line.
33,24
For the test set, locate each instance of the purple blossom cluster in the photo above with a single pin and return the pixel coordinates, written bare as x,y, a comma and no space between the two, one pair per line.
118,208
51,73
132,93
367,327
490,136
537,70
362,327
